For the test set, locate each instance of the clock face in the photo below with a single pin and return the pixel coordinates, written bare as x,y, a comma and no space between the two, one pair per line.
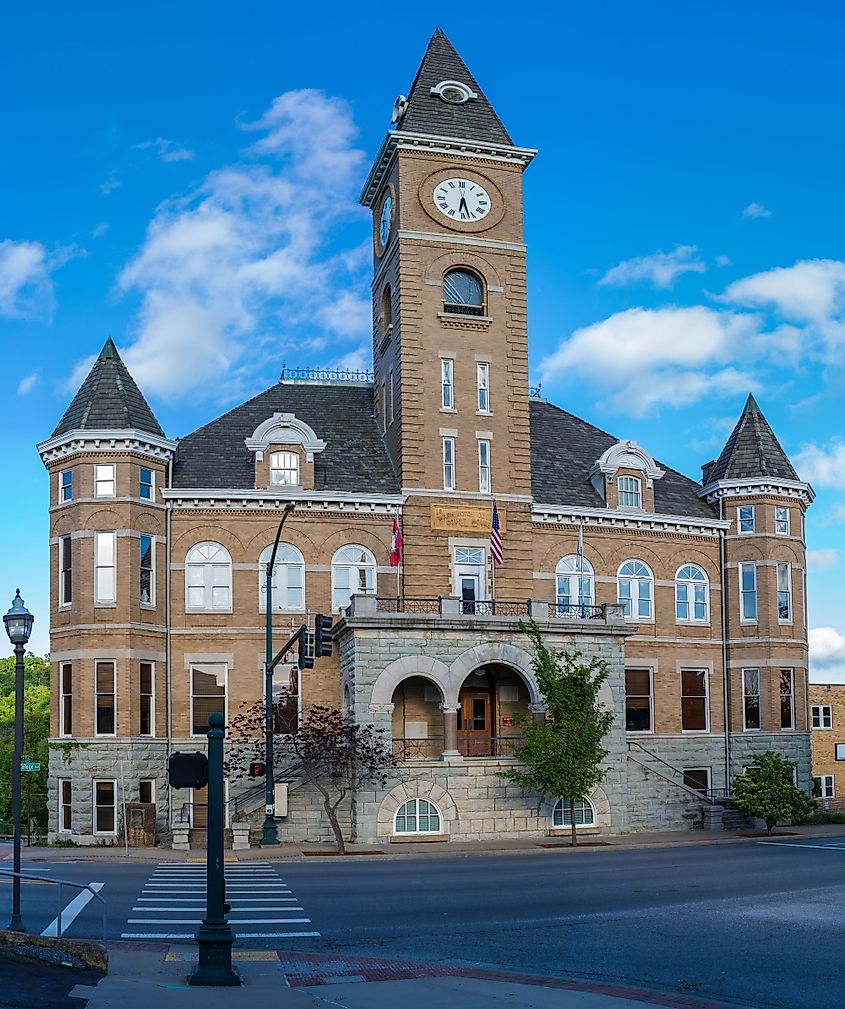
385,221
462,200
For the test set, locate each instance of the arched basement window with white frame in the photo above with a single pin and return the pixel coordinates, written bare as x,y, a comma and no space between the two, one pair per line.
635,590
585,814
288,579
208,577
353,572
463,292
574,583
692,592
284,469
417,816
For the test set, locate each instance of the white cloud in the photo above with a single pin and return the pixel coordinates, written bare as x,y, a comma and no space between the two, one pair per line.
28,383
822,465
110,184
810,291
823,559
723,260
26,288
671,356
827,647
167,150
99,230
660,269
251,256
756,210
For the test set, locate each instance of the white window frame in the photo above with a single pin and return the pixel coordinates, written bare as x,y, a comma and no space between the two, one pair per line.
482,381
152,484
449,480
562,807
706,673
635,595
707,770
152,783
95,806
782,520
98,693
469,561
784,567
759,696
65,486
817,714
65,805
65,700
384,406
632,487
284,463
202,667
689,585
749,520
650,671
105,476
416,803
391,400
100,598
152,697
342,594
65,583
743,592
824,779
791,695
574,582
288,557
208,565
151,602
839,751
447,384
485,473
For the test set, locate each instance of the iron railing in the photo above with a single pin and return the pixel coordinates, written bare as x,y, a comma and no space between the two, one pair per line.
407,604
430,748
325,375
454,308
711,795
9,874
495,607
576,611
488,746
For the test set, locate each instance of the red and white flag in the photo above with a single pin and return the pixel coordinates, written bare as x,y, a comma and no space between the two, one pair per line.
396,544
495,538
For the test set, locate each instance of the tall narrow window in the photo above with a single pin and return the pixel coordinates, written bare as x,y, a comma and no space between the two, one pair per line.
288,587
635,585
105,807
104,484
782,520
353,572
484,482
447,383
826,789
448,464
383,406
751,698
386,311
284,469
65,571
66,699
146,700
694,713
146,489
630,493
208,694
104,698
638,700
748,592
784,577
66,485
746,520
483,381
691,594
65,806
147,571
147,790
391,409
104,567
787,699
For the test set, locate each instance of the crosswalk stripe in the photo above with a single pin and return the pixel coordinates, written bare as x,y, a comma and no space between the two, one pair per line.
235,910
239,935
232,921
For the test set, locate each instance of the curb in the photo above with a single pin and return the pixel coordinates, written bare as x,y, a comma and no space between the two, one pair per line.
61,952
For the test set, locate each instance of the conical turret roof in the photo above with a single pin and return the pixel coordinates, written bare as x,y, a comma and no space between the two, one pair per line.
752,450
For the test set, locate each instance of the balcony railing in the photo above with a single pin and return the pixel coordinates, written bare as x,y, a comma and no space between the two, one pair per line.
576,611
418,749
452,607
488,746
496,607
407,604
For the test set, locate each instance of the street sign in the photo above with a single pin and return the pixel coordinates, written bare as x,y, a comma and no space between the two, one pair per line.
30,765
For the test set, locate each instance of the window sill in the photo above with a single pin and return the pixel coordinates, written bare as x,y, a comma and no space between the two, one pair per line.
149,607
457,320
210,612
416,838
448,409
105,606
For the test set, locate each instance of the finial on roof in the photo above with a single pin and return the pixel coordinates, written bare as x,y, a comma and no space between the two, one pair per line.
439,33
109,351
751,405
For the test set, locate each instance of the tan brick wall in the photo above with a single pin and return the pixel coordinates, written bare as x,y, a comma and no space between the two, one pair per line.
824,740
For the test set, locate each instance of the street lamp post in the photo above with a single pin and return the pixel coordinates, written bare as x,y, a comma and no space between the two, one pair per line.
270,834
18,623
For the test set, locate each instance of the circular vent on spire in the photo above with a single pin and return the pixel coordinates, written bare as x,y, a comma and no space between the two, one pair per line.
453,92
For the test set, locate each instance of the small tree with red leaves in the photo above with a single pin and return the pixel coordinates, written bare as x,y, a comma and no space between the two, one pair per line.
337,757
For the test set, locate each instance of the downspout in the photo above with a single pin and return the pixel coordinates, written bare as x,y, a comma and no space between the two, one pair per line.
726,678
167,642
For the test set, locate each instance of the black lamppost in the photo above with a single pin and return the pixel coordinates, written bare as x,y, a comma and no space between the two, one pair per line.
18,623
270,834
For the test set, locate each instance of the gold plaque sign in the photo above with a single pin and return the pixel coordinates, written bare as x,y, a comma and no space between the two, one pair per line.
465,518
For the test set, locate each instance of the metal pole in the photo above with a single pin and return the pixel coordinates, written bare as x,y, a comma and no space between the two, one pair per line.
215,937
16,922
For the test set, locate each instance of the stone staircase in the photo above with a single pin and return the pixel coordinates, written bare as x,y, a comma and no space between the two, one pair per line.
733,818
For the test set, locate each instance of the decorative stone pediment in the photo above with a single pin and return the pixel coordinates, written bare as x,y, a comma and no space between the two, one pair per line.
284,429
626,455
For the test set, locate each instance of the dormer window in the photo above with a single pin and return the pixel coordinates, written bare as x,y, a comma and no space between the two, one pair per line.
284,469
630,491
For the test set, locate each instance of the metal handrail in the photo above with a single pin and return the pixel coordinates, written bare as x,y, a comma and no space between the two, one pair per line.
60,883
712,795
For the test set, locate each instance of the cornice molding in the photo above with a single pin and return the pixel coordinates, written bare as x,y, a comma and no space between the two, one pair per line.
201,499
758,487
106,441
610,518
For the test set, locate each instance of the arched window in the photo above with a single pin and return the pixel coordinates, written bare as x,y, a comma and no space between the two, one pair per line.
574,576
463,293
284,469
353,571
417,816
585,814
386,310
208,578
692,594
288,579
635,590
630,492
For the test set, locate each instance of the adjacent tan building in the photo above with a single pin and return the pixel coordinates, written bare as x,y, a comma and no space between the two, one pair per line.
827,721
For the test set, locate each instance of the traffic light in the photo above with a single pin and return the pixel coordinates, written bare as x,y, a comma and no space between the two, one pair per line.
305,649
187,770
323,634
257,769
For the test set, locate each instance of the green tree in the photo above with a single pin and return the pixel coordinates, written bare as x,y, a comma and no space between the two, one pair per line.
765,790
561,759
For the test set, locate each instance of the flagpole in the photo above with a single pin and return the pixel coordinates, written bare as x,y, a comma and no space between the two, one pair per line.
493,558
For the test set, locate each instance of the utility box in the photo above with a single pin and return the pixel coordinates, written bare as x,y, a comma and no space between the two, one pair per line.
280,798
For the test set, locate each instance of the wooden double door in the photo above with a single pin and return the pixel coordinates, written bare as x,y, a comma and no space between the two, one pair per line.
475,724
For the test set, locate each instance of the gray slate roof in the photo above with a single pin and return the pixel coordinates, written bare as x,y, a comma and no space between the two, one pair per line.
564,447
109,400
428,113
355,459
752,450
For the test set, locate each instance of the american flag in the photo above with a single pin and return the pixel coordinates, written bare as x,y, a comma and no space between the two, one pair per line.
496,539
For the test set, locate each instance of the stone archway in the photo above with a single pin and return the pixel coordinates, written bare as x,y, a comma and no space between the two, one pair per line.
490,653
402,669
416,788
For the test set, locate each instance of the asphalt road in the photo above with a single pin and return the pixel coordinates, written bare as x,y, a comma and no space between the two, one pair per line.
761,923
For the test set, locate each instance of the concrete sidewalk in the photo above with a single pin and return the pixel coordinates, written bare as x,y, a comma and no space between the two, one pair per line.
144,975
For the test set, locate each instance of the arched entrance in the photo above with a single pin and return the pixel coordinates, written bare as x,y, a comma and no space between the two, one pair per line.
417,719
490,701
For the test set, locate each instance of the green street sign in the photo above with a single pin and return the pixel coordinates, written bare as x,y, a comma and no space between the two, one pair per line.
30,765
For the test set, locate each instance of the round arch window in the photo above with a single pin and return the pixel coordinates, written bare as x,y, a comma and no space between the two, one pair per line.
417,816
463,293
585,814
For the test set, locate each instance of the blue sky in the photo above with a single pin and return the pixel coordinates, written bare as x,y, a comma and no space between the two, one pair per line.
184,178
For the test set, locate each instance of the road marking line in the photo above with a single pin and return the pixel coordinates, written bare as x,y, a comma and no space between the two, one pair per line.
69,914
240,935
235,910
198,921
233,900
796,844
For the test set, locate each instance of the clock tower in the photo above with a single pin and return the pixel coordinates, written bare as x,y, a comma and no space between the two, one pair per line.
450,342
